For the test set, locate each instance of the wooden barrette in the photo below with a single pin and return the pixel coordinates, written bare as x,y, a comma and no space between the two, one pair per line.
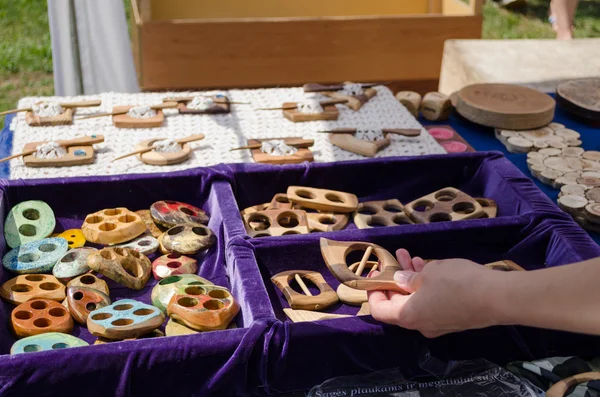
296,300
66,105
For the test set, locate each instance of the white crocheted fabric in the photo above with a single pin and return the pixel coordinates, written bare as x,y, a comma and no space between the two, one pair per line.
223,132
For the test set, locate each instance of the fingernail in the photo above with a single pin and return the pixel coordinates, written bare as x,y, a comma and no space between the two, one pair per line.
401,277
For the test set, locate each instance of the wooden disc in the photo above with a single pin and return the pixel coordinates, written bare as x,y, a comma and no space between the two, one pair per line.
550,152
592,194
593,174
567,134
535,161
517,144
580,97
558,164
577,190
537,169
505,106
589,181
574,142
539,133
536,155
591,155
573,151
558,145
572,204
549,176
540,144
556,126
592,212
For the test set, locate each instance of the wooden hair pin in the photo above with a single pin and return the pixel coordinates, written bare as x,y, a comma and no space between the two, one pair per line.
83,141
315,87
294,105
165,105
323,300
188,139
397,131
213,97
66,105
295,142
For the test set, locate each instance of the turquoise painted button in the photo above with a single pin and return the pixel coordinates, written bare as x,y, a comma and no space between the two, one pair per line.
73,263
45,342
124,319
28,221
35,257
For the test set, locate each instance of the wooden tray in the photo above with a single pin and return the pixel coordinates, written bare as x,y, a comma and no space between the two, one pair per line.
65,161
580,97
300,156
65,118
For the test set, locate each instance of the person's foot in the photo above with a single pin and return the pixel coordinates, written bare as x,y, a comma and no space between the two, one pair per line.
512,4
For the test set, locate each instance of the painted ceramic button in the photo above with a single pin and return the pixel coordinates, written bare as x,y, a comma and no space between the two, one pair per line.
28,221
188,239
39,316
112,226
36,256
123,265
32,286
154,229
171,264
73,263
89,281
173,328
74,238
157,333
166,288
203,308
144,244
124,319
45,342
82,300
172,213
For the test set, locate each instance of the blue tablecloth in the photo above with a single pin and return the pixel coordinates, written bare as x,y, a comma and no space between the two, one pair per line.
481,138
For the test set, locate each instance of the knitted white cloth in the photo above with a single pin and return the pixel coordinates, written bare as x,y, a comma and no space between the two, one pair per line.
223,131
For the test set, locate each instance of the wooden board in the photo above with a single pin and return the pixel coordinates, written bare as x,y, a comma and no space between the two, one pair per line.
330,112
580,97
352,144
65,118
355,102
221,106
124,121
303,154
65,161
159,158
505,106
449,139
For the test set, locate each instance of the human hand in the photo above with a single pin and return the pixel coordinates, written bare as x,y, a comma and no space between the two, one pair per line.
444,296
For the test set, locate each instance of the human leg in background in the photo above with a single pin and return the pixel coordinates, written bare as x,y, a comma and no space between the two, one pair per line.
562,16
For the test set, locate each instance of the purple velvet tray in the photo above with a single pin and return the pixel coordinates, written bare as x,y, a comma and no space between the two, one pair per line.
267,353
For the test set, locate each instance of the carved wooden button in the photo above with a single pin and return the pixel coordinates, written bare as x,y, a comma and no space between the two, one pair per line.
28,221
172,213
145,244
74,237
276,223
326,297
171,264
124,319
112,226
32,286
322,199
204,308
123,265
89,281
36,256
154,230
188,239
39,316
73,263
46,342
380,213
447,204
82,300
166,288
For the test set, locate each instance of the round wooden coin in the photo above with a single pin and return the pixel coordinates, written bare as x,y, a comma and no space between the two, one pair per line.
592,155
589,181
162,158
572,204
592,194
592,212
580,97
505,106
577,190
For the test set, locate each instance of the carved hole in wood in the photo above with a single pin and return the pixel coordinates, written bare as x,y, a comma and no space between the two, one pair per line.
289,232
132,267
21,288
144,243
112,212
127,218
31,214
60,346
107,227
47,247
106,255
195,290
26,258
23,315
334,197
392,208
312,287
49,286
78,295
282,199
440,217
259,222
400,220
42,322
305,194
174,256
101,316
186,301
374,222
94,219
90,306
200,231
463,208
288,220
27,230
423,205
122,322
38,305
88,279
34,277
169,280
445,195
125,306
57,312
32,348
70,257
213,304
218,294
174,264
327,220
143,312
187,211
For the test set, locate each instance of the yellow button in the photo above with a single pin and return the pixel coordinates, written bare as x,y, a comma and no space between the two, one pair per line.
74,238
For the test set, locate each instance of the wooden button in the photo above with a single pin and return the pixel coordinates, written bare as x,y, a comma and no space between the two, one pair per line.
172,213
74,237
572,204
326,221
306,301
89,281
153,228
172,264
203,308
447,204
112,226
122,265
490,208
39,316
322,199
27,222
73,263
46,342
157,333
276,223
32,286
372,214
164,290
173,328
145,244
280,202
188,239
82,300
589,181
124,319
36,256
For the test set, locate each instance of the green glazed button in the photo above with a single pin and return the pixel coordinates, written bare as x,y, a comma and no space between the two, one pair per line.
28,221
45,342
166,288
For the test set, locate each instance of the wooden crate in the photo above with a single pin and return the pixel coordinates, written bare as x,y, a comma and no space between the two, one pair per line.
181,44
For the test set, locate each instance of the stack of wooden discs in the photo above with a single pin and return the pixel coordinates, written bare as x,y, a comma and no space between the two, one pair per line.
582,201
554,135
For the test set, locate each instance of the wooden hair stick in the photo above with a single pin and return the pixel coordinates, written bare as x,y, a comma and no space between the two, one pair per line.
302,285
83,141
364,260
189,139
165,105
295,104
67,105
411,132
295,142
315,87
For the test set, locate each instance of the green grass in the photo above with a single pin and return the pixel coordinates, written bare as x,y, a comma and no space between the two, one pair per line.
26,55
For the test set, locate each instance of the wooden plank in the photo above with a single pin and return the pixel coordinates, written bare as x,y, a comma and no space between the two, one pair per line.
136,38
164,10
435,6
292,52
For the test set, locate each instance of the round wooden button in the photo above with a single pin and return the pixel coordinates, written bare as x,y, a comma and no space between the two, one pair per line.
32,286
39,316
592,194
589,181
592,212
74,237
572,204
27,222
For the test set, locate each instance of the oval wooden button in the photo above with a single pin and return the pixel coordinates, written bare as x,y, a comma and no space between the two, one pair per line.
28,221
36,256
46,342
90,281
73,263
169,213
203,308
126,318
39,316
32,286
164,290
82,300
188,239
172,264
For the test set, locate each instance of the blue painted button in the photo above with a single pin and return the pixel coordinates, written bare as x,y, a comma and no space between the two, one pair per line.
45,342
79,152
124,319
35,257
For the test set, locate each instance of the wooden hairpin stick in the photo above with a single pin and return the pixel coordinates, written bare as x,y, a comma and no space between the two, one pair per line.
165,105
363,261
295,142
188,139
83,141
397,131
294,105
315,87
323,300
214,97
66,105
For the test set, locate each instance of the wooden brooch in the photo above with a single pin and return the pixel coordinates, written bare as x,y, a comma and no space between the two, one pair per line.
168,213
580,97
164,290
188,239
380,213
39,316
335,253
36,256
46,342
83,300
112,226
173,264
28,221
306,301
64,118
202,104
351,296
554,135
32,286
505,106
122,265
449,139
203,307
447,204
276,223
322,199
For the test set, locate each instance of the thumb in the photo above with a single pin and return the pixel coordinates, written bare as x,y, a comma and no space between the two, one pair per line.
407,280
